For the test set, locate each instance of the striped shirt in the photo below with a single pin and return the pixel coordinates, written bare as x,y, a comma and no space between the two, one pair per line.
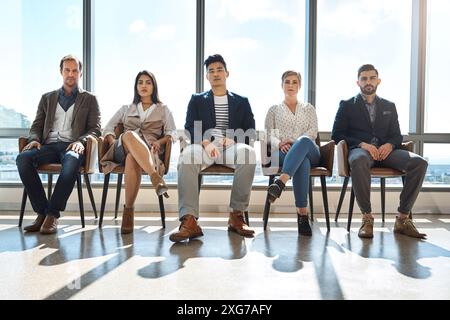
221,108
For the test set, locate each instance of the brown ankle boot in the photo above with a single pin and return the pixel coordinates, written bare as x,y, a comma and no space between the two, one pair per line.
127,220
237,224
159,184
189,229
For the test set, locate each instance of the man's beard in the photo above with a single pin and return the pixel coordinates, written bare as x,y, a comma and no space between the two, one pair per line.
369,90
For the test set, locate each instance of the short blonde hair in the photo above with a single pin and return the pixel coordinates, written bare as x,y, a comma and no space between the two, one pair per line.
291,73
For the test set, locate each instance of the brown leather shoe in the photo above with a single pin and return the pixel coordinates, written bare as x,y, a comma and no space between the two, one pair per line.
36,225
50,225
236,224
406,227
127,220
189,229
159,184
366,230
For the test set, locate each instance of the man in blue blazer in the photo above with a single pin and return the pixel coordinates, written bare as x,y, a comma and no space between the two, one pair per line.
369,125
221,127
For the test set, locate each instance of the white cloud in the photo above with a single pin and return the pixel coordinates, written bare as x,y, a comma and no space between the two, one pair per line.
73,17
138,26
163,32
232,45
249,10
355,18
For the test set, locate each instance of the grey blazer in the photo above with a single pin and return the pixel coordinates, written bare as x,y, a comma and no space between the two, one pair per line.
86,117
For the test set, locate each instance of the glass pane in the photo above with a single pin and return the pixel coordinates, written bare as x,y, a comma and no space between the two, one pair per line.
438,67
34,35
355,32
438,156
145,35
259,40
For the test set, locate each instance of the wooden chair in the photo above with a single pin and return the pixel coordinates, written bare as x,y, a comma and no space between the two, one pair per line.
55,168
375,172
103,147
323,170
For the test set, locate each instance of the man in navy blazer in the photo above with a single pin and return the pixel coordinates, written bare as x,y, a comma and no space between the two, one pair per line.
221,127
369,125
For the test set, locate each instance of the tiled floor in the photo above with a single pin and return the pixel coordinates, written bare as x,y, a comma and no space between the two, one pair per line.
277,264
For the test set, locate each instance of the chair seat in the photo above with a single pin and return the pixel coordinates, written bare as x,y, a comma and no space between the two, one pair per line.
320,171
54,168
217,169
385,172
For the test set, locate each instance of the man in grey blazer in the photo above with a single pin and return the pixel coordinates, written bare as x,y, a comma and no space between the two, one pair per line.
64,119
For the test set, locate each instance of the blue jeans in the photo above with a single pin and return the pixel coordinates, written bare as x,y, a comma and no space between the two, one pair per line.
297,163
27,163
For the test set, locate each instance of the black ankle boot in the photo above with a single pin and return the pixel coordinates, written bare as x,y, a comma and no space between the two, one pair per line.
304,228
275,190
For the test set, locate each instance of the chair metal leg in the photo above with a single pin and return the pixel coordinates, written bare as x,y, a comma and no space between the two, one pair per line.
350,209
80,199
118,191
162,211
311,202
49,185
104,194
247,220
323,182
22,207
383,197
341,197
267,205
91,195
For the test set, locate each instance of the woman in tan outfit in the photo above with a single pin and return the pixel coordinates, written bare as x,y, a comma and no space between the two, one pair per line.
148,125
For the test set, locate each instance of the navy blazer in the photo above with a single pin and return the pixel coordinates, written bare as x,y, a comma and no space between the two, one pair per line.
352,123
201,108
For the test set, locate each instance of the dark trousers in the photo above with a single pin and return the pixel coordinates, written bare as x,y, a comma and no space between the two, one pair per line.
413,165
27,163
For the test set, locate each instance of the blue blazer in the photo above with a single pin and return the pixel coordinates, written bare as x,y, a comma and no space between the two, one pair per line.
201,108
352,123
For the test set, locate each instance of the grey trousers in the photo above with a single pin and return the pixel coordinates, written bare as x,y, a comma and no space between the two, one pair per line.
413,165
194,158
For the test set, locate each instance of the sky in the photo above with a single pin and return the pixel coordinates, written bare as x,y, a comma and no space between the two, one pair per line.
259,39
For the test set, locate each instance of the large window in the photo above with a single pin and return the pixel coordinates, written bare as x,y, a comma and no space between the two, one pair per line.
438,156
34,36
259,41
144,35
355,32
437,111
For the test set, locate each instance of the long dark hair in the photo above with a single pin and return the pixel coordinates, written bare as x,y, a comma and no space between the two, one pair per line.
155,96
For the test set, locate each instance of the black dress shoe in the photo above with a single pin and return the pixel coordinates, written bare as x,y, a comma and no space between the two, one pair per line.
275,189
304,228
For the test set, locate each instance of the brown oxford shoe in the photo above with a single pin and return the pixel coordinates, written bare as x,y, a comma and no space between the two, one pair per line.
237,224
36,225
406,227
50,225
189,229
